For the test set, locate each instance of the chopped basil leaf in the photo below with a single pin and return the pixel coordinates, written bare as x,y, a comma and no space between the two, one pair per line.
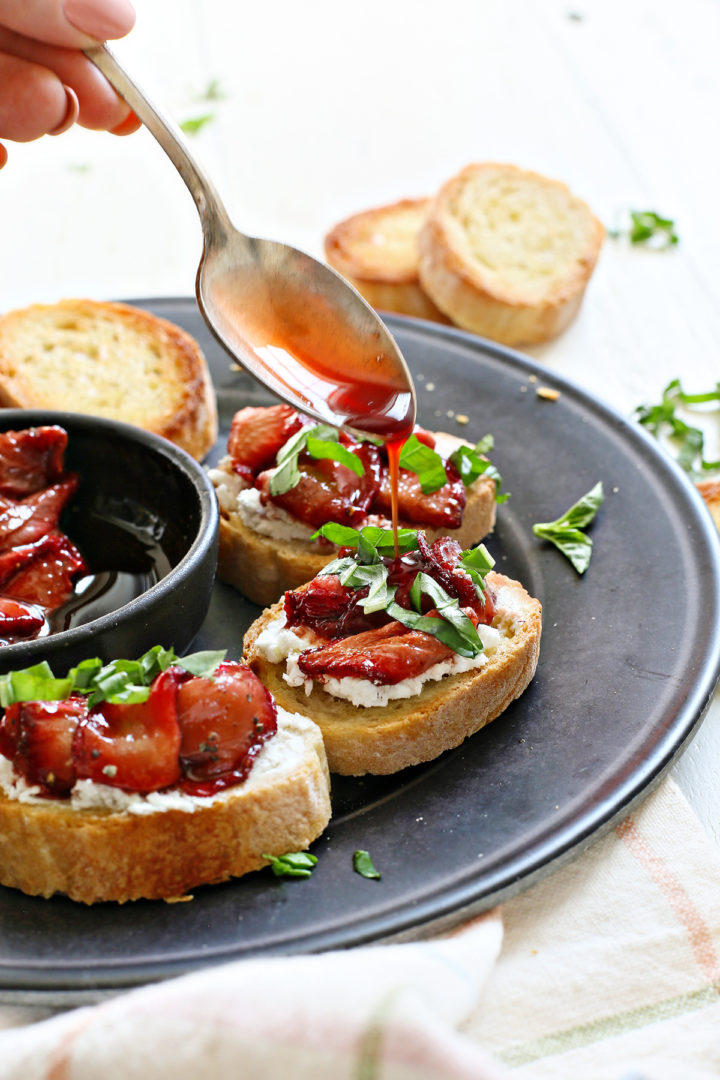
194,124
426,463
356,575
373,538
119,682
566,532
648,228
319,448
437,627
687,440
448,608
202,664
295,864
477,562
320,442
36,683
363,865
470,462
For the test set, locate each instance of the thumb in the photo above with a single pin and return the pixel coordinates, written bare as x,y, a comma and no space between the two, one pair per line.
74,24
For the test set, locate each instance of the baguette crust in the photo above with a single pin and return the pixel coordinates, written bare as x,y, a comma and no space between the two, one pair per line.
508,253
110,360
377,251
408,731
263,567
96,855
710,491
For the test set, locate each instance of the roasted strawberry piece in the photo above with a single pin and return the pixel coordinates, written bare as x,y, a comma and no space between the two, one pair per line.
45,570
442,509
329,491
19,620
256,434
424,436
26,521
134,747
224,722
31,459
44,733
383,656
329,608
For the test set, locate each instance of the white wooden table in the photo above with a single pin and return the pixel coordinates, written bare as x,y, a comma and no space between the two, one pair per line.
331,108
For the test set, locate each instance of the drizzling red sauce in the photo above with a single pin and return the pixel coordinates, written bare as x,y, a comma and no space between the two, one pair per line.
394,447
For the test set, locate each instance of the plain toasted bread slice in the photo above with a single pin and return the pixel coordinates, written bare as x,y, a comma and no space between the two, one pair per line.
377,251
91,855
110,360
263,567
710,491
507,253
408,731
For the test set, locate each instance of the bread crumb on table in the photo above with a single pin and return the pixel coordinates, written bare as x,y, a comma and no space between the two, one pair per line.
547,393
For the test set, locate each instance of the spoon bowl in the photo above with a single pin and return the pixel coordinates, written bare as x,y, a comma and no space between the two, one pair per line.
287,318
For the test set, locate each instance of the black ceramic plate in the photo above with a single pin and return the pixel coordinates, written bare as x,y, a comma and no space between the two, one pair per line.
629,661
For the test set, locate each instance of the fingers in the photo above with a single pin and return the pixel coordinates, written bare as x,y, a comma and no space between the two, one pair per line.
33,101
73,24
29,116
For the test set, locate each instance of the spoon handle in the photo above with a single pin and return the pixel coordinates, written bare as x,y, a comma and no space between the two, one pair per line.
214,218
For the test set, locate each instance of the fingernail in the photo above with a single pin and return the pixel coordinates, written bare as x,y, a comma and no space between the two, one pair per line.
111,19
3,156
128,125
71,113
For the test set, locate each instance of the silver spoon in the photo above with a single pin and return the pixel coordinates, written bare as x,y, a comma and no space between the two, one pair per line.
291,321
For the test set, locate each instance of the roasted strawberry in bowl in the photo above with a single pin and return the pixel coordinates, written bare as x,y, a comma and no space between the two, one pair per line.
284,476
108,539
146,778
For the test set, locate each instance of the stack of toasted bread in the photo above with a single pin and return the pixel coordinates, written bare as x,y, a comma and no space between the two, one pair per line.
499,250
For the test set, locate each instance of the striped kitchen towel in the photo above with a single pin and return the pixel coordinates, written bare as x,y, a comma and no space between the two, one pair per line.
609,970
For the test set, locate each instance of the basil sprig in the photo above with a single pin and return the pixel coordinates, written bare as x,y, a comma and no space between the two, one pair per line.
566,532
477,562
453,628
320,442
662,421
471,462
426,463
648,228
371,541
121,682
295,864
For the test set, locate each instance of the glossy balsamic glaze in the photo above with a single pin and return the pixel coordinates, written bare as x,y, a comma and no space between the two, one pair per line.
125,560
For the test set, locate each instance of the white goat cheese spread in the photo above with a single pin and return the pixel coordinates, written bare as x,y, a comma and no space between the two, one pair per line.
236,496
277,643
283,750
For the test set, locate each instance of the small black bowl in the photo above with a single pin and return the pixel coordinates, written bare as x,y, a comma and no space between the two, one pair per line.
145,519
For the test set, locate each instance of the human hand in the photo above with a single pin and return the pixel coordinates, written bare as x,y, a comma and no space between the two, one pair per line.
46,84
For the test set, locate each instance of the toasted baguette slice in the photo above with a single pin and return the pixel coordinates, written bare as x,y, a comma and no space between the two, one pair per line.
264,567
48,846
407,731
710,491
109,360
508,253
377,251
